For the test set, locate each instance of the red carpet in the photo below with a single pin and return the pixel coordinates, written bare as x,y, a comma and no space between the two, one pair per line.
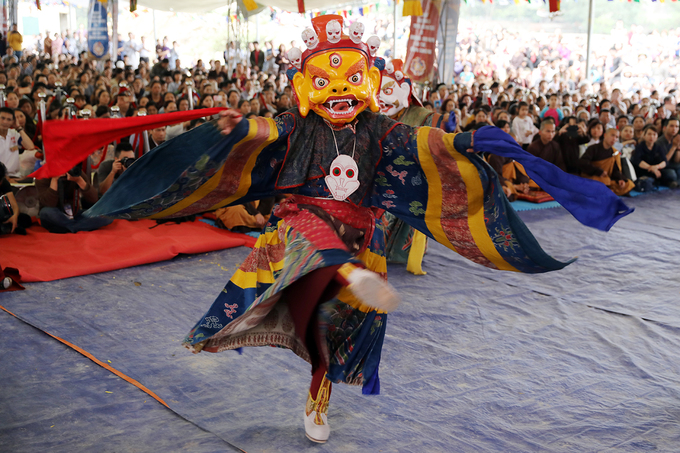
41,256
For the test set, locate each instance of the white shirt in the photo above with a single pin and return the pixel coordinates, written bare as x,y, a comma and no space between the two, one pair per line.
664,113
621,108
174,56
232,57
143,51
9,152
131,49
173,131
520,127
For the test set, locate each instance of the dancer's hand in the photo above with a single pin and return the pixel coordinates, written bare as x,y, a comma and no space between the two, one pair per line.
228,120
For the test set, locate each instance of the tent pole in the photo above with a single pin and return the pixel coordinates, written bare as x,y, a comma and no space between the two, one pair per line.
441,66
155,38
394,30
591,12
114,29
226,58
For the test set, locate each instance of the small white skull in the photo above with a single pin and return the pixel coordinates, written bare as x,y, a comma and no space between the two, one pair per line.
399,75
310,38
356,31
373,45
344,178
389,68
333,31
295,57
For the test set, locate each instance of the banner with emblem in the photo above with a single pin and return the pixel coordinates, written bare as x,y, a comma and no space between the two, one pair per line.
422,42
97,30
4,26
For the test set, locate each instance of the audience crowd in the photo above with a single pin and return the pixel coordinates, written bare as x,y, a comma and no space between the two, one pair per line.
619,127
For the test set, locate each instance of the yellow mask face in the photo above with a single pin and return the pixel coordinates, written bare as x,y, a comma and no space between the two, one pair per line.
337,85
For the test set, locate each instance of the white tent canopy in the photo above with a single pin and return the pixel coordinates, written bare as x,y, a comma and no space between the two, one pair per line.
194,6
201,6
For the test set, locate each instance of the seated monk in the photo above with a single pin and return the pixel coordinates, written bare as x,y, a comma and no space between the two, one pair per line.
545,147
602,162
246,217
512,175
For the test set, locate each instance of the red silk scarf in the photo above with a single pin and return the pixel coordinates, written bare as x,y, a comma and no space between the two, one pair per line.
70,142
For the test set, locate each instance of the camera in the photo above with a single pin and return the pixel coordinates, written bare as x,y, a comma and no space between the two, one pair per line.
6,212
76,171
127,161
572,131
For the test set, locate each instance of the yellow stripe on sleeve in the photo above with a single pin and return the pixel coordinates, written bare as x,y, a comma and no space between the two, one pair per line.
476,222
213,182
433,211
246,175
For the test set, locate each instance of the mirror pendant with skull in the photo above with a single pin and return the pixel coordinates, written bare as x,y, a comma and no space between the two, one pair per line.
343,179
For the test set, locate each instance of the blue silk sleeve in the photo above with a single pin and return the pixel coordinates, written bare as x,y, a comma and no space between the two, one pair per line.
590,202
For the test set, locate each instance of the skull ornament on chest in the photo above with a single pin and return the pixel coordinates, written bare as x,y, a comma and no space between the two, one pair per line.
310,38
333,31
343,179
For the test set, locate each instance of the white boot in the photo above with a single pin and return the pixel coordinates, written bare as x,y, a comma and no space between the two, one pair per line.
314,432
373,290
316,418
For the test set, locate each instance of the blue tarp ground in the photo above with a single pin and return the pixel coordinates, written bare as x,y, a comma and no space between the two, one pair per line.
54,399
585,359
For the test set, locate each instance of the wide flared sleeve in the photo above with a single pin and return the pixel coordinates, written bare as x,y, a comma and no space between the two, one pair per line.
201,170
456,198
590,202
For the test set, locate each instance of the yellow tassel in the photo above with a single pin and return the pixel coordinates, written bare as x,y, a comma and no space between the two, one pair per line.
412,8
415,255
250,4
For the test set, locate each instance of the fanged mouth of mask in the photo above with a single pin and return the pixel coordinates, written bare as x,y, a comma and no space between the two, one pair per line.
385,107
341,106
